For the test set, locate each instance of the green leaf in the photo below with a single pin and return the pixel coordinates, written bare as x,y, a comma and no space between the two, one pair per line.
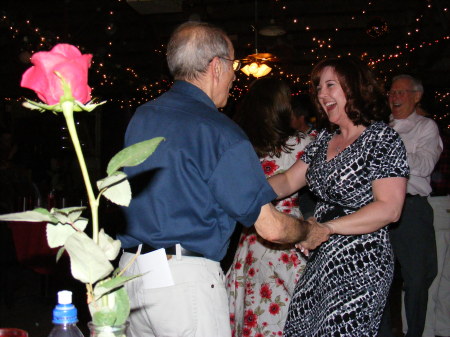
111,309
80,224
133,155
122,306
74,212
107,286
57,235
60,253
29,104
71,215
110,247
88,107
87,260
118,188
104,317
36,215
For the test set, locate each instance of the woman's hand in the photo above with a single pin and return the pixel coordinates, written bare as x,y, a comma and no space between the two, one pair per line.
318,233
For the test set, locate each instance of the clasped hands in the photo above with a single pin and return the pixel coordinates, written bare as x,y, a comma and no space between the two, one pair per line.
316,234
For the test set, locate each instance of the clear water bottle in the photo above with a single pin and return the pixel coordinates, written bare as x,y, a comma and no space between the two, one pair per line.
65,317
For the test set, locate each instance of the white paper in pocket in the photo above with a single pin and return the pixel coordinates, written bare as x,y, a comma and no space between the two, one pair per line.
155,269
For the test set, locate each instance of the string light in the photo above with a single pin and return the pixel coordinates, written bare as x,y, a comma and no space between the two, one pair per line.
109,75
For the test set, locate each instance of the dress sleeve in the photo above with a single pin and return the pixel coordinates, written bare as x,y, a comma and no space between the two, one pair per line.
386,156
312,149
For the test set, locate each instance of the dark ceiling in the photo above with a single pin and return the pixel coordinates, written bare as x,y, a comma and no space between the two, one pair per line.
128,37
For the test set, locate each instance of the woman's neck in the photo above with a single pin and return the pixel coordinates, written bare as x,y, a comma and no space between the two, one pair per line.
350,132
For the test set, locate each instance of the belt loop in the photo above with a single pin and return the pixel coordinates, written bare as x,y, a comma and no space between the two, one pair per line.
178,251
138,252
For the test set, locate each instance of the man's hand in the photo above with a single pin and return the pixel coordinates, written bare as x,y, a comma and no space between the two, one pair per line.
317,233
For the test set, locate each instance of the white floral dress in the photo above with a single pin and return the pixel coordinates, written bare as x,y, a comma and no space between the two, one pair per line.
262,277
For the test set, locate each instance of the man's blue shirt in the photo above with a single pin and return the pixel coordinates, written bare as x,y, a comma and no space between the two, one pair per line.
203,178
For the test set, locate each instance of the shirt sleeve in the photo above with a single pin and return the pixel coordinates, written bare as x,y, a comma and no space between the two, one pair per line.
239,185
388,157
424,151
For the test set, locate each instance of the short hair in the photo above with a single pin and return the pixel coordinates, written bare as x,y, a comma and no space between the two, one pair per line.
264,114
417,84
192,47
366,100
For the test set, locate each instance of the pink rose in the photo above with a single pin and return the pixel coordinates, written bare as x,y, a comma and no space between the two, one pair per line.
68,61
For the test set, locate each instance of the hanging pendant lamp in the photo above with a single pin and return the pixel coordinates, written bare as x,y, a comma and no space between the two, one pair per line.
256,64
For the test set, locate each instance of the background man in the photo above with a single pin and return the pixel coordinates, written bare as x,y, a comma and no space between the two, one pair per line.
413,237
189,194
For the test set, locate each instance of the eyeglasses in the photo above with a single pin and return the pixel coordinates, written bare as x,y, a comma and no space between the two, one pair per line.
399,93
236,63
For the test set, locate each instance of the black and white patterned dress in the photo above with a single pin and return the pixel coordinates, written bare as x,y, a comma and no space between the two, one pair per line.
347,279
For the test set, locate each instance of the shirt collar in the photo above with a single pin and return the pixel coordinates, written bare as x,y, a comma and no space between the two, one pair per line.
404,125
193,91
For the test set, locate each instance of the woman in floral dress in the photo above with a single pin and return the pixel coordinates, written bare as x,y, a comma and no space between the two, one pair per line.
263,275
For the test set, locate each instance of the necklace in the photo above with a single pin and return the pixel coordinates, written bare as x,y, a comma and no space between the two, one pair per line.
340,143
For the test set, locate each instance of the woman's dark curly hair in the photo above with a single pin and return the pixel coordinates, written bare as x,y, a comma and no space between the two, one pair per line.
265,115
366,100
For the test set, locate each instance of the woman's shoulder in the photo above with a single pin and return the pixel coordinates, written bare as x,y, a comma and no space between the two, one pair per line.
299,139
381,129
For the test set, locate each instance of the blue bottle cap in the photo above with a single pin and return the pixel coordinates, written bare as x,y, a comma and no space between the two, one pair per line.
65,312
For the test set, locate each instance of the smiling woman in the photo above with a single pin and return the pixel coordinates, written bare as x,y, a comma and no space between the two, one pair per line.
357,168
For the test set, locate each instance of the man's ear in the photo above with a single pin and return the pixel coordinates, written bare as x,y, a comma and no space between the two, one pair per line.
418,97
216,68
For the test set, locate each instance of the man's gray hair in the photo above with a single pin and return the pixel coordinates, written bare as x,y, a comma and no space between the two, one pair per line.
417,84
192,47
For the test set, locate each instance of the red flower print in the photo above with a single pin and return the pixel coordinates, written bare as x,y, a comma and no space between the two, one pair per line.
250,319
246,331
259,334
236,284
280,333
251,272
274,308
287,203
238,265
280,282
252,239
285,258
232,320
264,323
299,154
249,258
249,288
269,167
295,260
265,291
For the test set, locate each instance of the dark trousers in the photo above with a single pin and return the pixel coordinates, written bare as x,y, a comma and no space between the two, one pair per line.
414,244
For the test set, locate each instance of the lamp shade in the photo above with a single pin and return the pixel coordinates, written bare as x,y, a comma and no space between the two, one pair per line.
256,69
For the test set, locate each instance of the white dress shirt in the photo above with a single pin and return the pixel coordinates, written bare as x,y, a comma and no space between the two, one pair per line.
423,146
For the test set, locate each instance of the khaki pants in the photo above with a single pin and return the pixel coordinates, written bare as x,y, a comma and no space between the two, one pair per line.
196,306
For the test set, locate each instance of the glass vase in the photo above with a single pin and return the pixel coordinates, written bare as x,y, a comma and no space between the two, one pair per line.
108,331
